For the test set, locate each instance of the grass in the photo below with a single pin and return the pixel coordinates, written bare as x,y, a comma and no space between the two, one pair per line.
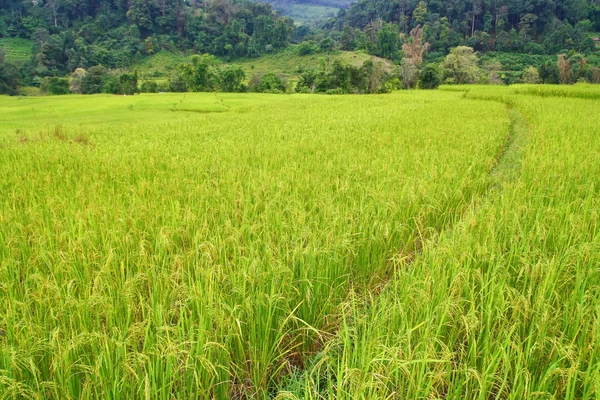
19,50
159,65
290,64
424,244
286,62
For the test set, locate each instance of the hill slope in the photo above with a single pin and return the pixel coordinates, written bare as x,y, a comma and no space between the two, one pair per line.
287,62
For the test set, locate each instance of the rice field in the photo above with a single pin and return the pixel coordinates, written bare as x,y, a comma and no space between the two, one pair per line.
418,245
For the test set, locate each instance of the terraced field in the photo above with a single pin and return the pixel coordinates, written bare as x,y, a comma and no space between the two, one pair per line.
15,49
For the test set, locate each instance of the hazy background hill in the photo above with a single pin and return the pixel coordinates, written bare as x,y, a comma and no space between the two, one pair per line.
309,11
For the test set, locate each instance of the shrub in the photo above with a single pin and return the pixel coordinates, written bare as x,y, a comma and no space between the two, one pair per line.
335,91
531,75
307,48
461,66
149,87
430,77
54,85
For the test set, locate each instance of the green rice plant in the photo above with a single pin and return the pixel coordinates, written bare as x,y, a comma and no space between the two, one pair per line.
199,255
503,304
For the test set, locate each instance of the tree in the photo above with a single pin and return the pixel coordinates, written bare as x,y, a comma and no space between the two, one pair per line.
549,72
375,74
139,14
327,44
54,85
77,80
9,76
409,73
271,82
388,41
430,77
348,39
231,78
128,83
420,12
564,69
531,75
149,87
200,75
94,79
461,66
492,69
414,48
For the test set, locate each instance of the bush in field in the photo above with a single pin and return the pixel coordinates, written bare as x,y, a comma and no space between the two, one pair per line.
307,48
231,79
430,77
54,85
178,83
111,84
549,72
149,87
462,66
409,73
128,83
200,75
594,75
368,78
269,82
10,79
93,81
531,75
327,44
77,80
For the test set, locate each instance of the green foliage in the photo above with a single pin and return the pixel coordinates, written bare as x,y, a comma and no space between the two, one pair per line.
549,72
355,245
388,42
16,49
128,83
10,79
149,87
461,66
531,75
307,48
118,34
430,76
94,80
268,83
54,85
546,27
231,79
341,78
327,44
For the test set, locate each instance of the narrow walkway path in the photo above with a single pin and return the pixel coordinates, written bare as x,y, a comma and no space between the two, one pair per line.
506,168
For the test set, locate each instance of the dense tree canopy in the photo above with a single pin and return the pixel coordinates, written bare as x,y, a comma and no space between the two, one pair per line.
104,38
527,26
72,34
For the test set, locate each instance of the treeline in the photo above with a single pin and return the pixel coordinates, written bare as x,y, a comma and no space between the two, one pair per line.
107,37
540,27
207,74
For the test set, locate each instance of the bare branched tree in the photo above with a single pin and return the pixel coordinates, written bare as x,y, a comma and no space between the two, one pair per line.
414,48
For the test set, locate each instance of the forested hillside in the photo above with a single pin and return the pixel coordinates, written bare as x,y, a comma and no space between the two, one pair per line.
511,41
80,33
534,27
